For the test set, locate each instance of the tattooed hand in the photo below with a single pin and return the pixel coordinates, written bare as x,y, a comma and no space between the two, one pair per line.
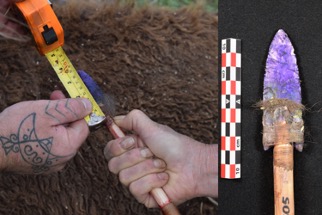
41,136
10,26
157,156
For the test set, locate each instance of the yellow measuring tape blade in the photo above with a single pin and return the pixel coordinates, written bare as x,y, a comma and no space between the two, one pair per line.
74,84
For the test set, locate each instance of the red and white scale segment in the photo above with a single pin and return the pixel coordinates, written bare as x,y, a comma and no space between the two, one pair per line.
230,147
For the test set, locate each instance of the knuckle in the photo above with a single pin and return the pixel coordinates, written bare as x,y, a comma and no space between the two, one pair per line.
111,166
157,164
135,113
134,155
135,191
108,153
123,178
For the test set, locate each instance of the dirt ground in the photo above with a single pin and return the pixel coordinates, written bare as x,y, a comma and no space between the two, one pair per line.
160,61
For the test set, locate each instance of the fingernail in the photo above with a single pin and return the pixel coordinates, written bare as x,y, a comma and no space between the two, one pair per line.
128,143
158,163
87,104
163,176
146,153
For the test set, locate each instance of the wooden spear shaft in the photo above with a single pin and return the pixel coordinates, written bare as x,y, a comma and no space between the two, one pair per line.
283,171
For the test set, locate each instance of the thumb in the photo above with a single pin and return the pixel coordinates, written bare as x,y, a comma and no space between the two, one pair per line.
68,110
138,122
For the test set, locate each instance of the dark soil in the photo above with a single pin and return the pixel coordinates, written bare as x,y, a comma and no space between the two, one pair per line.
160,61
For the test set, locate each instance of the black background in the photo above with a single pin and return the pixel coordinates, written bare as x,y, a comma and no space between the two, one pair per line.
255,23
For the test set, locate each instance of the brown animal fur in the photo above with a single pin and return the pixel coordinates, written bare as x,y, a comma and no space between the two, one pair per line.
161,61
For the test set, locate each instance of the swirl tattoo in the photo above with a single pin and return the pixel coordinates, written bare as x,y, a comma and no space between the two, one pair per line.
34,151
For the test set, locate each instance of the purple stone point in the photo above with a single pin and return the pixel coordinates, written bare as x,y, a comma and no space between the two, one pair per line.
282,75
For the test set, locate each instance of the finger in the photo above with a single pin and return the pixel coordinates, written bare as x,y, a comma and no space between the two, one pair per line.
137,121
141,188
77,131
56,95
67,110
129,159
118,146
140,170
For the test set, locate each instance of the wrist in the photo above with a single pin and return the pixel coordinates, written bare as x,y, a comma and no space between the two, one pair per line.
207,183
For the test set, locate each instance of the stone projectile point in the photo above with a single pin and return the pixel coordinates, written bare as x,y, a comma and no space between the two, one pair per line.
282,75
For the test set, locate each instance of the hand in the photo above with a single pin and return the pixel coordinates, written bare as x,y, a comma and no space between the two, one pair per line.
41,136
157,156
9,26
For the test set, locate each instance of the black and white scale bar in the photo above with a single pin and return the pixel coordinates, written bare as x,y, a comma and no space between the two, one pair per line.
230,144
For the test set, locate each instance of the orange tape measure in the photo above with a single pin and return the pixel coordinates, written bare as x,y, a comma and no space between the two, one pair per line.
49,37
